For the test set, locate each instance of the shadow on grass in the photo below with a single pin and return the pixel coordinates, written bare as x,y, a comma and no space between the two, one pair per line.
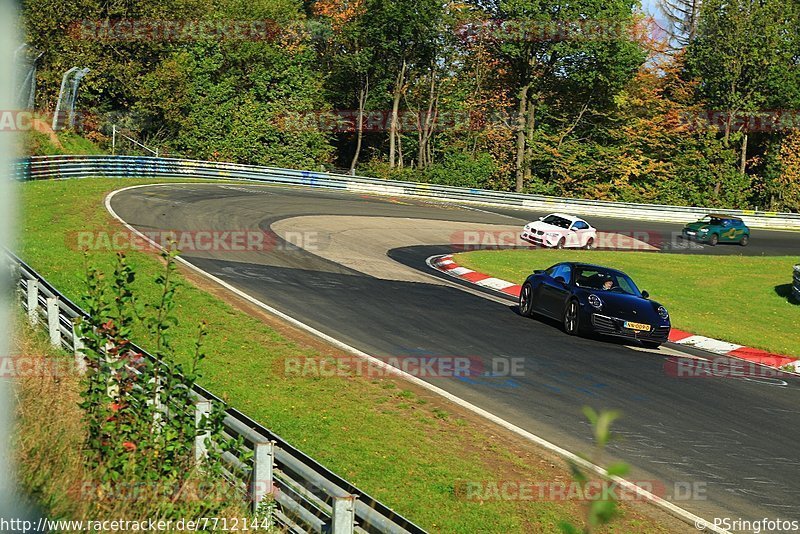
785,291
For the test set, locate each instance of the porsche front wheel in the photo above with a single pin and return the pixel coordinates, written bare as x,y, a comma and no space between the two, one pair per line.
572,318
526,300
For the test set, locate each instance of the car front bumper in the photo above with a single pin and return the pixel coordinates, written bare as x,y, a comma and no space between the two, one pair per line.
692,235
613,326
534,238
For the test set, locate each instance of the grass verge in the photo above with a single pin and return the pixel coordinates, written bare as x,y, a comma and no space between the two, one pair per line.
49,459
740,299
405,446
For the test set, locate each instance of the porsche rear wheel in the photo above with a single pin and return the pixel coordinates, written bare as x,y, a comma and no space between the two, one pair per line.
572,318
745,240
526,300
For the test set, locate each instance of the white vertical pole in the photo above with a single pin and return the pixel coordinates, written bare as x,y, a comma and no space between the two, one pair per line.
8,42
33,301
261,481
202,410
113,139
52,322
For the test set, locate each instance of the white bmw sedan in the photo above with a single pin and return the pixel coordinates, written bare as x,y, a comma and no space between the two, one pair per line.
559,230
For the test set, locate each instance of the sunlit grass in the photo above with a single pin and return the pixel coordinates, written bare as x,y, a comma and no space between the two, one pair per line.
740,299
408,452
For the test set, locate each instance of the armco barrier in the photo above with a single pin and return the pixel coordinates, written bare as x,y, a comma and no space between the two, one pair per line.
796,283
49,167
307,496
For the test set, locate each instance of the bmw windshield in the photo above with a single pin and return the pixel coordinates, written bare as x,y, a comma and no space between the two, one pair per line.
555,220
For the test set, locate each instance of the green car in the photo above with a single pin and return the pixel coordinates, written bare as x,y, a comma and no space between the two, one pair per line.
713,229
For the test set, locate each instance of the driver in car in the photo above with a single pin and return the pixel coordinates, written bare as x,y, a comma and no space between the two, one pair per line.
608,284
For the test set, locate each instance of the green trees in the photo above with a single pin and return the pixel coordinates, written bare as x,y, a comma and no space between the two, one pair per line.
565,98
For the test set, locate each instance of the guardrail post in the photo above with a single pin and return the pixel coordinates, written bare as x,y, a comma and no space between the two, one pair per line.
343,517
52,321
261,481
202,410
33,301
77,351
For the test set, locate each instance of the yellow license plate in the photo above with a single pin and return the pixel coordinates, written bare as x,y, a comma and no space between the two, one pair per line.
637,326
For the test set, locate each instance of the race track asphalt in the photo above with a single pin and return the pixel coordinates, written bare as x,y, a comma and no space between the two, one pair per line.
733,440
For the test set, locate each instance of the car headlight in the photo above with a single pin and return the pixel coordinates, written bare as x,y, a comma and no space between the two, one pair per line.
595,301
662,311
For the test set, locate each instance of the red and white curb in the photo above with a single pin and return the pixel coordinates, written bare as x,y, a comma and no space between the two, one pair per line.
445,264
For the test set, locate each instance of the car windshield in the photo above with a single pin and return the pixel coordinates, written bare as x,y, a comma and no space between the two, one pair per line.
555,220
708,219
605,280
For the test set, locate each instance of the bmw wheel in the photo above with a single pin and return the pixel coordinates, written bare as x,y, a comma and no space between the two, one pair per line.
572,318
561,243
589,244
745,240
526,300
713,239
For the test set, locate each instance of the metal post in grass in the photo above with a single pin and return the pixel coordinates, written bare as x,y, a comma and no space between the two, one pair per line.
202,411
62,95
261,480
77,351
343,516
52,321
14,276
33,301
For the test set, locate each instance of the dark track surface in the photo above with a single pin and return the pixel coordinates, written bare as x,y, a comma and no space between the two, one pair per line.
734,439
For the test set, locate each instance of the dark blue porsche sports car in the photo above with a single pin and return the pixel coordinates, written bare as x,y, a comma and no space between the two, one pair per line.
590,298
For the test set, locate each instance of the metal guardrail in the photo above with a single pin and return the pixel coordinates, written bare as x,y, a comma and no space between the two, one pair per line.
48,167
308,497
796,283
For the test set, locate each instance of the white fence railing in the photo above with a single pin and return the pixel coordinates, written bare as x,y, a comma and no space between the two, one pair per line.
44,167
307,496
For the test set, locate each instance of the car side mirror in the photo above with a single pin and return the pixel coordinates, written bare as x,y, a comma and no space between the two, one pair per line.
541,218
645,295
560,279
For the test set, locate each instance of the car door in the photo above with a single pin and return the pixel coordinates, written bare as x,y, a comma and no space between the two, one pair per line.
554,291
727,232
579,229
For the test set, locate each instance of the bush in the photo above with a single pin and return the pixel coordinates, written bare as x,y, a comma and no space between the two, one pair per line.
457,169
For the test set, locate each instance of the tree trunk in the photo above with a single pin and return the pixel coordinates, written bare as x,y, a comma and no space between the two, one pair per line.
362,98
530,125
743,162
521,115
398,91
427,126
399,141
